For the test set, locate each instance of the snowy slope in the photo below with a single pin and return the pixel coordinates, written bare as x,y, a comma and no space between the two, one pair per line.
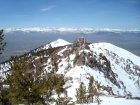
114,49
58,43
120,60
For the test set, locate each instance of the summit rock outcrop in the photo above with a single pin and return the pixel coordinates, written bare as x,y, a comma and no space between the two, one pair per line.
79,44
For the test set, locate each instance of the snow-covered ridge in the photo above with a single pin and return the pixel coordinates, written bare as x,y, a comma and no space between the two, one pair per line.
104,47
69,30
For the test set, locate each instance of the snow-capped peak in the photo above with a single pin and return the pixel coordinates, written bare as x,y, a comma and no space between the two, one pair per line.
59,42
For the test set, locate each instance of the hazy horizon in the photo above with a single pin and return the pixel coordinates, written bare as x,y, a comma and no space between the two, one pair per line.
20,43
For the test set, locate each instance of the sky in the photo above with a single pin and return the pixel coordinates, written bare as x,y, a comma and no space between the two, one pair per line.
113,14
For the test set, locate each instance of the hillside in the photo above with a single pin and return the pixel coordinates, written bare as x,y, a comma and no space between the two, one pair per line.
116,69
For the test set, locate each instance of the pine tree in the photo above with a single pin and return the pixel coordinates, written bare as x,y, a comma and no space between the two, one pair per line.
2,44
2,91
24,85
91,89
94,88
29,87
97,92
81,93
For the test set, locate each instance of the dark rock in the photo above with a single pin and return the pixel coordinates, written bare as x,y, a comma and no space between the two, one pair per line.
78,60
91,62
136,67
117,96
128,96
136,98
109,90
66,53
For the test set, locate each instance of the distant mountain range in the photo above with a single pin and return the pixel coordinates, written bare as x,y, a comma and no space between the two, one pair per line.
68,30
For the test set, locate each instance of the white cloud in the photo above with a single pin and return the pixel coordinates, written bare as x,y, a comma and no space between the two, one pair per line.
48,8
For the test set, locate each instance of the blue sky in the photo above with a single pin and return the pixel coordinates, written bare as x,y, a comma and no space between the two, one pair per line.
120,14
